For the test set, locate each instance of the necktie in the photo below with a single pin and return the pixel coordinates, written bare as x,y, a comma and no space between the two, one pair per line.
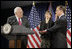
19,22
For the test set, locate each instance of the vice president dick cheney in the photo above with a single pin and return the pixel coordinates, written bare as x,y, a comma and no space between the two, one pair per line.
19,19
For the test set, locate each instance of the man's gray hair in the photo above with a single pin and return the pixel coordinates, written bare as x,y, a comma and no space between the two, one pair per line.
15,10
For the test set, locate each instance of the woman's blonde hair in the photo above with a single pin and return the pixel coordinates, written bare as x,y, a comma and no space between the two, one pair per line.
48,12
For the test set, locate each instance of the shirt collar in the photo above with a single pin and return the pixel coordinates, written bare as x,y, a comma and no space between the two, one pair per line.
18,18
61,15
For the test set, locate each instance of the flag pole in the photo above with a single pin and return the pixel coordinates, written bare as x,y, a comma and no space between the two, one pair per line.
33,3
50,6
66,3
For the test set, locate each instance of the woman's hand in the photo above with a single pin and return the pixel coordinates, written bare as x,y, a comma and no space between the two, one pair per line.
47,19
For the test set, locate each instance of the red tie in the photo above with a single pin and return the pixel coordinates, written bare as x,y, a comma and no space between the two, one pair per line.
19,22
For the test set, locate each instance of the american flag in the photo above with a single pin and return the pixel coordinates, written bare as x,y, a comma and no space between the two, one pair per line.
34,21
68,35
51,10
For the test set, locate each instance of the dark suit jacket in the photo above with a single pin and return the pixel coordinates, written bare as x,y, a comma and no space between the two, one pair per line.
58,35
13,21
44,26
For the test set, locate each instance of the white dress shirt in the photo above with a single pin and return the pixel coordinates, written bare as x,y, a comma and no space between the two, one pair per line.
61,15
18,18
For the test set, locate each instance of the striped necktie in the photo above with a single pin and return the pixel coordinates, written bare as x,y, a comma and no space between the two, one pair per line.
19,21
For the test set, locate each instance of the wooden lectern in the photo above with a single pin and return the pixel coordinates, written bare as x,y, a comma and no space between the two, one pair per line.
12,36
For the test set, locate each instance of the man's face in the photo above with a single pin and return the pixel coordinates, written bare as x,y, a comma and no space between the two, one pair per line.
58,11
19,13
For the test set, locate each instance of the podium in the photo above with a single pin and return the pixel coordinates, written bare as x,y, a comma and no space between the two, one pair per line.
16,30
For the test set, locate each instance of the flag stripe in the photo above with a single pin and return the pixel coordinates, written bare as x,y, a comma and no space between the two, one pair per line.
35,41
68,36
38,28
37,35
68,45
37,32
31,42
29,45
68,41
69,33
70,30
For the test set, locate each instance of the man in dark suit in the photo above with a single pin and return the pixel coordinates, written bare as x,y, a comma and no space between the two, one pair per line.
19,19
58,31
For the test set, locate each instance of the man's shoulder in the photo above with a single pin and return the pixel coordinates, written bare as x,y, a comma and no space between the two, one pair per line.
11,17
24,17
63,17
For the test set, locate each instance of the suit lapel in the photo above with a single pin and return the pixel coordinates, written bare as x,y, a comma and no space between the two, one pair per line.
23,23
58,20
16,22
62,16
